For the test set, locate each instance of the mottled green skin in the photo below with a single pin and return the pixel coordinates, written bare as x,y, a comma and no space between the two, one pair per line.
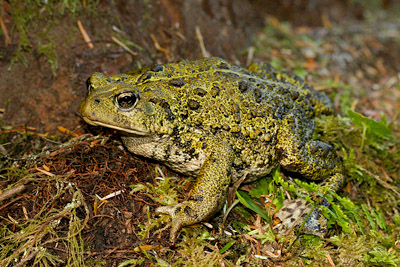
216,121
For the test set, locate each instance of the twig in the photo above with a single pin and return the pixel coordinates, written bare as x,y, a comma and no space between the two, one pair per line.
201,42
45,172
27,258
234,188
250,55
116,40
7,39
383,183
11,192
11,202
84,34
330,260
158,46
111,195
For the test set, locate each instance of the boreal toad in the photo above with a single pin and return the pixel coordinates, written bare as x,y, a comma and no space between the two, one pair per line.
215,121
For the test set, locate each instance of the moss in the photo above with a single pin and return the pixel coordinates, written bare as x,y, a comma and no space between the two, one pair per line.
29,16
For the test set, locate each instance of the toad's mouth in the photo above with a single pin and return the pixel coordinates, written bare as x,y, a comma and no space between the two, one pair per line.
141,132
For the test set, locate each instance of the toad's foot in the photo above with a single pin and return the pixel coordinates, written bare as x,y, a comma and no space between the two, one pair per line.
294,212
182,214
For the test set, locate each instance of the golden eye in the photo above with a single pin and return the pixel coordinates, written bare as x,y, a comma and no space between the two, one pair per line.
126,101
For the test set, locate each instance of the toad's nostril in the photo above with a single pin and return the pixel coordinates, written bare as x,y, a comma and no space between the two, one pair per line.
97,101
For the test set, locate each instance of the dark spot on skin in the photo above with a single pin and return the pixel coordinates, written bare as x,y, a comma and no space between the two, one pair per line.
221,73
177,210
185,144
253,113
177,141
193,104
184,114
215,90
288,210
175,131
257,94
155,100
232,75
177,82
97,101
189,212
223,66
192,152
196,198
261,86
243,86
288,105
168,150
188,143
170,116
237,118
157,68
200,91
292,220
204,145
214,130
294,94
283,91
122,78
145,77
261,165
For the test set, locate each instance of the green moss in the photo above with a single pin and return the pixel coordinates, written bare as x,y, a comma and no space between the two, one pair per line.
38,233
29,16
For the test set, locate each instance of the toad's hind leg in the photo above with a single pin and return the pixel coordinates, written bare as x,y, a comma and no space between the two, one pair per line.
314,160
209,191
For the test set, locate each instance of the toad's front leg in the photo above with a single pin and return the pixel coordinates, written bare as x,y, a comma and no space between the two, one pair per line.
209,192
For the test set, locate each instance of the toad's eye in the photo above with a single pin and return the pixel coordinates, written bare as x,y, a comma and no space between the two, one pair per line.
126,101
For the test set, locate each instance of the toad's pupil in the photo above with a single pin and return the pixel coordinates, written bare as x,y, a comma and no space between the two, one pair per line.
126,100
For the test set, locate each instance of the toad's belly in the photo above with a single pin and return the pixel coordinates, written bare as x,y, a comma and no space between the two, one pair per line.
190,163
